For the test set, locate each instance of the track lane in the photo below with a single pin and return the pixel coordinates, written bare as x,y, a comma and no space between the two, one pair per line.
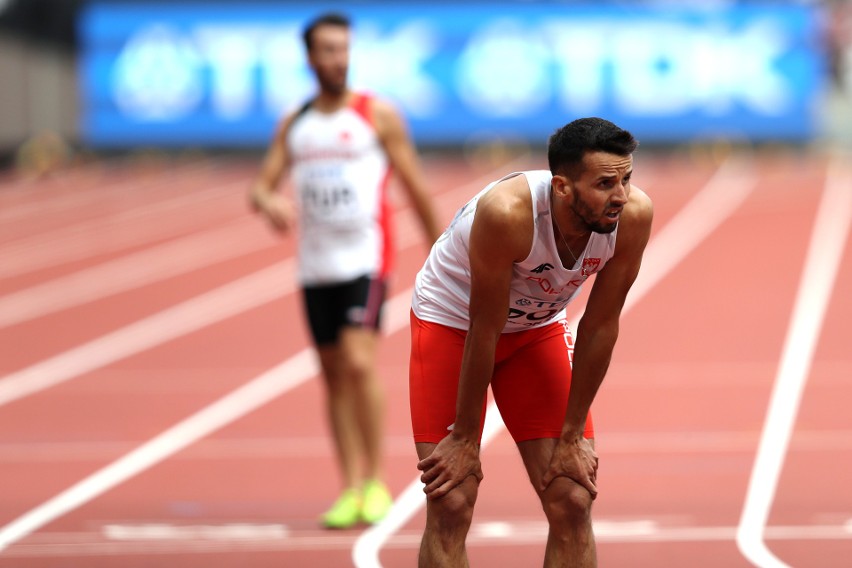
692,471
255,331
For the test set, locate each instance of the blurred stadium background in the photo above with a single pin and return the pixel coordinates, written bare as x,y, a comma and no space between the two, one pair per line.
90,77
193,88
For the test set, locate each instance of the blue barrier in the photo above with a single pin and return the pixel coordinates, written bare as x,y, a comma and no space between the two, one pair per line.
221,74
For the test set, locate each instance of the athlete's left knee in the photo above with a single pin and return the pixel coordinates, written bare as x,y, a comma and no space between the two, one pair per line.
566,502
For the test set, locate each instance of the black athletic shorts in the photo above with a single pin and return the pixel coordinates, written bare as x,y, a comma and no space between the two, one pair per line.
331,307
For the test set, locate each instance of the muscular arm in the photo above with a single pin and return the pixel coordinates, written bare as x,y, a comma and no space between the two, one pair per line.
598,330
262,193
403,158
501,235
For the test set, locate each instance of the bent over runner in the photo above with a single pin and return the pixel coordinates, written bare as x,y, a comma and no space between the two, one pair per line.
489,308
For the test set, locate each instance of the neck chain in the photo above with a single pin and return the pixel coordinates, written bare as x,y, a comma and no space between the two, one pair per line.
558,230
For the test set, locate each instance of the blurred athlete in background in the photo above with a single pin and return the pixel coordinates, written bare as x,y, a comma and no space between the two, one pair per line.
340,149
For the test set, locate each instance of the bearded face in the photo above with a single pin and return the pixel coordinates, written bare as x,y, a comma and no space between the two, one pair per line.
601,191
329,57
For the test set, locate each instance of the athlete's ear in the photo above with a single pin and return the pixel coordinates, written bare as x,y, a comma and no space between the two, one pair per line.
561,184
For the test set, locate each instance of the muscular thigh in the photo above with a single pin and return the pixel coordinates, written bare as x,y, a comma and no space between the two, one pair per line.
531,383
436,354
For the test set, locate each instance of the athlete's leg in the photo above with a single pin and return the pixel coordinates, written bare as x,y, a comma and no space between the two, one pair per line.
447,522
436,353
365,396
326,310
356,399
531,389
358,339
567,506
341,417
356,404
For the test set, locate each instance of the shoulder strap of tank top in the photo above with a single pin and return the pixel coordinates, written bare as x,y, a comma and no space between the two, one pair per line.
361,105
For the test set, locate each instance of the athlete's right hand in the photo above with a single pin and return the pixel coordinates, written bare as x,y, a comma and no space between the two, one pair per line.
453,460
279,211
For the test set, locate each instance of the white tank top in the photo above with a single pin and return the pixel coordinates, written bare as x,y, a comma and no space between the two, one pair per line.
541,286
340,173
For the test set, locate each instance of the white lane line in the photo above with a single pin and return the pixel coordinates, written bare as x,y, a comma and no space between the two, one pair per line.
262,448
138,225
239,402
228,300
117,232
159,532
717,200
723,194
191,315
133,271
171,259
164,261
162,538
218,304
83,185
254,394
824,256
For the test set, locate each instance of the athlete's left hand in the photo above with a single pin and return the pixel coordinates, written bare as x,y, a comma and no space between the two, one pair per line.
575,460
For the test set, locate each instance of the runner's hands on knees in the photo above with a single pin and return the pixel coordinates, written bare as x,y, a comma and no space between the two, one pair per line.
451,462
575,460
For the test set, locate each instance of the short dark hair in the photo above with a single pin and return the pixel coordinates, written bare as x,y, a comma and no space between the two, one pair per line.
568,145
327,19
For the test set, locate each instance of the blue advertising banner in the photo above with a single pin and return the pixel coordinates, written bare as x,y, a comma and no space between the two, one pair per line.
222,74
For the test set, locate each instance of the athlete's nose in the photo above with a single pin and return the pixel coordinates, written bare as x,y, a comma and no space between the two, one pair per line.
619,197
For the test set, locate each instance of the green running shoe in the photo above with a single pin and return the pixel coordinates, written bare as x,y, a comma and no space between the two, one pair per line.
346,511
377,502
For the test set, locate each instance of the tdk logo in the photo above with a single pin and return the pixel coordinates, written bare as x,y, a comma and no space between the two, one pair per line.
502,68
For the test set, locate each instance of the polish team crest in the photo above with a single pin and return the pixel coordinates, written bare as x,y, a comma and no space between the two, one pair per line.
591,265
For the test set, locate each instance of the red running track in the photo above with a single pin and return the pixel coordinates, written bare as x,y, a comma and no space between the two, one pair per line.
159,404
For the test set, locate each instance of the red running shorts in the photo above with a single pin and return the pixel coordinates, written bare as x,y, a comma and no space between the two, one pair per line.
532,375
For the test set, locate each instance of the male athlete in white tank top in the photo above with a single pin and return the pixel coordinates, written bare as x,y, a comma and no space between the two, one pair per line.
340,175
340,149
486,312
541,286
